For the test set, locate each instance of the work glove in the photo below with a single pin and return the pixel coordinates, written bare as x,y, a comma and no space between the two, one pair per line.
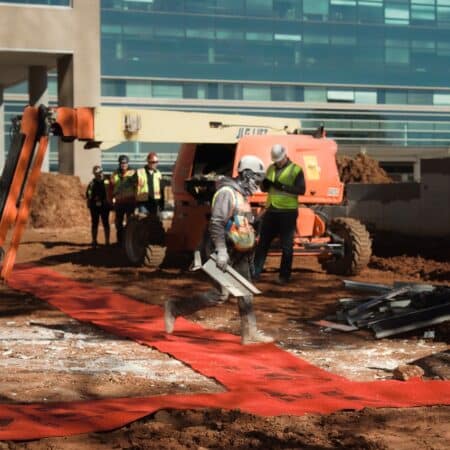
222,258
279,186
266,183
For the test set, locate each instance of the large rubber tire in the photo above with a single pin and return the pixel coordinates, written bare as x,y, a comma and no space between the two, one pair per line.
357,247
144,241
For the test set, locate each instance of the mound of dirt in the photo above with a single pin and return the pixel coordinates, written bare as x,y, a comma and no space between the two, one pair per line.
59,202
361,169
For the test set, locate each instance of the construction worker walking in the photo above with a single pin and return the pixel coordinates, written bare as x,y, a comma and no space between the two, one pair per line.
97,202
284,182
150,192
232,237
123,188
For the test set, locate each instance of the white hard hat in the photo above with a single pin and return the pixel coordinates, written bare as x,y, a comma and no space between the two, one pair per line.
253,163
277,153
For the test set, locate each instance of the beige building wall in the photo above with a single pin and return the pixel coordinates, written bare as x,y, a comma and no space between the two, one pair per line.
62,38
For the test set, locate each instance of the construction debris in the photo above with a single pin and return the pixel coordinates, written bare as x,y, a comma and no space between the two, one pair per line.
407,371
392,310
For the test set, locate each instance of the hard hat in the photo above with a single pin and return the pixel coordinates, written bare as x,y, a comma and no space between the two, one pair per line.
96,170
277,153
123,159
253,163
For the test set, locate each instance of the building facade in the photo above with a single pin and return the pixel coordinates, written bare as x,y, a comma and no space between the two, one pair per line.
58,37
374,72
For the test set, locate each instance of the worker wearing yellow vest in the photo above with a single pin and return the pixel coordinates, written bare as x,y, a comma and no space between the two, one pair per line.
123,193
150,192
232,237
284,182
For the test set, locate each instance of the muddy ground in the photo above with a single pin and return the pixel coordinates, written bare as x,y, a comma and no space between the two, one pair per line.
46,356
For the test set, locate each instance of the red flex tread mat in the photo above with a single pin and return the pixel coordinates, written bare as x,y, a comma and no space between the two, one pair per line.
260,379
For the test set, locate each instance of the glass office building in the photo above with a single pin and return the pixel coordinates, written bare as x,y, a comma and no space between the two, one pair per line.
374,72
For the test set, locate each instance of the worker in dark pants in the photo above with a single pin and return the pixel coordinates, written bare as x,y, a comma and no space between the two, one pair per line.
233,246
150,192
123,187
99,207
284,182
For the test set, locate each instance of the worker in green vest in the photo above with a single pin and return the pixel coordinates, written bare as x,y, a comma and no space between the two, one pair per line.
284,182
150,192
123,187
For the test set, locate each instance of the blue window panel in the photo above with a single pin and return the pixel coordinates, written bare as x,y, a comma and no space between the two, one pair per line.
366,97
315,9
422,14
167,90
255,92
258,8
420,98
370,12
113,88
396,13
441,99
313,94
231,7
343,10
230,91
138,88
287,9
286,93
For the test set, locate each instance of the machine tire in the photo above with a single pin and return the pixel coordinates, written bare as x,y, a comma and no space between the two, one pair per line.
357,247
144,241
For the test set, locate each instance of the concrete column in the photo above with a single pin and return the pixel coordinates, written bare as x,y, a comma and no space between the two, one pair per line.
65,98
38,95
79,85
2,130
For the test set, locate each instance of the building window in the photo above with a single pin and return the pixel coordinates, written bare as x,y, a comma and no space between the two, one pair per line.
138,88
259,7
113,88
340,95
370,11
256,93
315,9
315,94
167,90
396,13
441,99
396,97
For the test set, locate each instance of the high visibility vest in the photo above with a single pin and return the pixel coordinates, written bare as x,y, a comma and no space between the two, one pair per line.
280,199
124,187
142,185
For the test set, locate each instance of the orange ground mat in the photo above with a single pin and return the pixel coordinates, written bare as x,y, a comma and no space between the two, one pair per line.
260,379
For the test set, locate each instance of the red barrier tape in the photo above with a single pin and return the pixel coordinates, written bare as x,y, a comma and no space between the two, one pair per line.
261,379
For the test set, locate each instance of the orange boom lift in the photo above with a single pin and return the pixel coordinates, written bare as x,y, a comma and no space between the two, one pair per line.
30,136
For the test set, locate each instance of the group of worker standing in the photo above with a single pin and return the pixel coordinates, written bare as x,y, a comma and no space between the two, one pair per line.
231,234
125,190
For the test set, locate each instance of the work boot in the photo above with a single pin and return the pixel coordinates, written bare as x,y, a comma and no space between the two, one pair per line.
256,337
169,315
249,332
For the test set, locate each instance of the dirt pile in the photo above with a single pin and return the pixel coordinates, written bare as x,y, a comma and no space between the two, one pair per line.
59,202
361,169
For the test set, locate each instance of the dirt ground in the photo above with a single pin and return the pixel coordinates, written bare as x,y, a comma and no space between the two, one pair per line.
47,356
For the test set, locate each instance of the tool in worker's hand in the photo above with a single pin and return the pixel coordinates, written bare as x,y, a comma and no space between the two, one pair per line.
230,279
